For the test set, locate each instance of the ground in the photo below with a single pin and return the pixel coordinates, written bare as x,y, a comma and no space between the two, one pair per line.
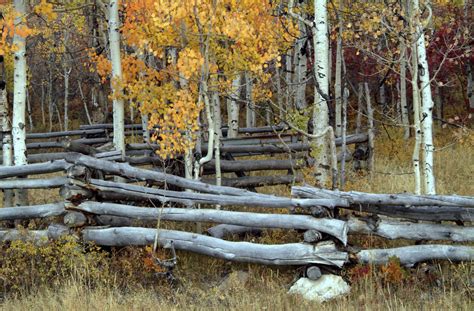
124,279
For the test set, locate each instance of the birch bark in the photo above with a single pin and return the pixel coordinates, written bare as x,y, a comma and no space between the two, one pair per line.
233,108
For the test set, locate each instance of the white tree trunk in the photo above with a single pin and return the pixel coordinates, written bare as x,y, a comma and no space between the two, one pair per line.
66,97
84,102
427,105
118,105
438,103
416,122
217,136
19,97
251,116
233,108
281,111
321,92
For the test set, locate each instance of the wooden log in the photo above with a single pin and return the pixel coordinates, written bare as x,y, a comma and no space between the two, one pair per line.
59,144
256,181
355,197
312,236
33,211
65,133
45,157
313,273
410,255
257,165
407,230
113,221
425,213
74,219
204,198
223,230
333,227
283,254
125,170
34,169
76,146
39,237
33,183
75,193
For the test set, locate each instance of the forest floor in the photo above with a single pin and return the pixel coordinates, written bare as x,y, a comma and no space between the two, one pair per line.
124,280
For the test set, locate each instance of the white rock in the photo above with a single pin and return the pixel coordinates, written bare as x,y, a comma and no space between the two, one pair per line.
328,287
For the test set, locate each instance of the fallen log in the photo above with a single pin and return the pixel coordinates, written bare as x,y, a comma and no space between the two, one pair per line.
333,227
203,198
33,211
410,255
355,197
59,144
413,231
55,182
33,169
283,254
256,181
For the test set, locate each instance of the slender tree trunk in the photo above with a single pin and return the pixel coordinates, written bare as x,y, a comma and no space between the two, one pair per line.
233,108
84,102
343,134
371,134
403,91
30,112
427,105
118,104
281,111
338,82
66,97
300,60
217,137
289,85
468,16
251,116
43,117
50,96
470,85
6,135
321,111
438,103
416,121
19,98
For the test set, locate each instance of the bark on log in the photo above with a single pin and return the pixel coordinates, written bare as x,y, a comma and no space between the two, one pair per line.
33,211
412,231
34,169
59,144
355,197
39,237
223,230
284,254
74,219
312,236
313,273
76,146
257,181
205,198
333,227
33,183
410,255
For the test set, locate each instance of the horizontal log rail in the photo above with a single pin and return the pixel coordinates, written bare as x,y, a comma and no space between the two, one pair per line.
34,169
33,211
26,183
334,227
324,253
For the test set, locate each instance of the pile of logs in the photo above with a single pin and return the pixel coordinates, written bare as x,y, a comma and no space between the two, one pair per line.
100,209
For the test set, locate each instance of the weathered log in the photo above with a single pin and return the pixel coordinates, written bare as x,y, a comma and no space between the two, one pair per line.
125,170
113,221
413,231
204,198
75,193
355,197
33,211
313,273
256,181
45,157
76,146
65,133
283,254
223,230
257,165
410,255
312,236
74,219
54,232
334,227
34,169
59,144
55,182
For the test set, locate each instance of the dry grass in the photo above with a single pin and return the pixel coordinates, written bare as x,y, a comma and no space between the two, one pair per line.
444,287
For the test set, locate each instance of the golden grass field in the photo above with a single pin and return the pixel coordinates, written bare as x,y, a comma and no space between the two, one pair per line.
126,284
